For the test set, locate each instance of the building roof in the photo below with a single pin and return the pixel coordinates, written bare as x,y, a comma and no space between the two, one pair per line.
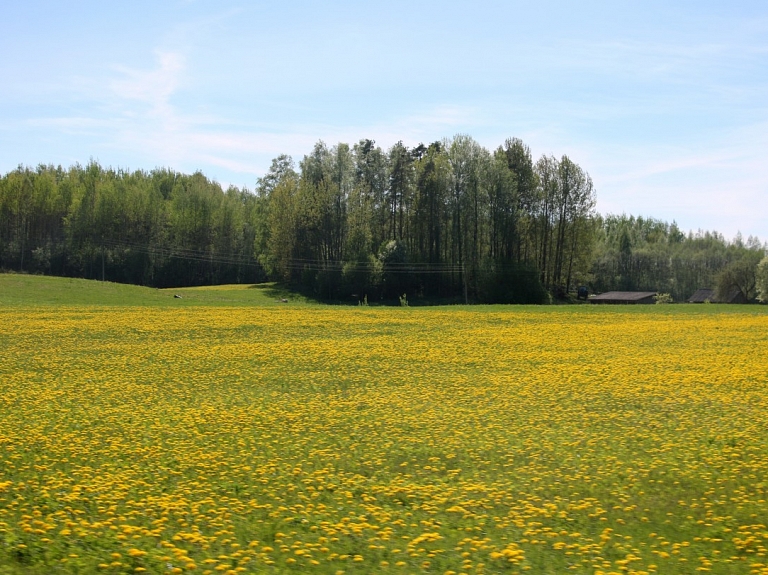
703,295
628,296
708,294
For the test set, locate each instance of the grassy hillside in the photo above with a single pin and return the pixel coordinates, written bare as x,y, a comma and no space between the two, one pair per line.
20,289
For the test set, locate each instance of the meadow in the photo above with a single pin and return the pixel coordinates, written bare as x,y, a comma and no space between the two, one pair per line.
226,433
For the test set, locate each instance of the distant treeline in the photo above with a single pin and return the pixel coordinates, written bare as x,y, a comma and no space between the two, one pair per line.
157,229
449,221
652,255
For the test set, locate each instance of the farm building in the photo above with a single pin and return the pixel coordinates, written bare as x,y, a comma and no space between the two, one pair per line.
708,295
624,297
702,295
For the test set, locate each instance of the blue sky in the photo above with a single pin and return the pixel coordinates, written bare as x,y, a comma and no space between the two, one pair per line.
665,104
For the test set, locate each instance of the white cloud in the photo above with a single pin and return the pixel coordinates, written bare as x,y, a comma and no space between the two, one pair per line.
151,86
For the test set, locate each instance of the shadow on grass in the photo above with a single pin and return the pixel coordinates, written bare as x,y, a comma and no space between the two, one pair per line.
278,292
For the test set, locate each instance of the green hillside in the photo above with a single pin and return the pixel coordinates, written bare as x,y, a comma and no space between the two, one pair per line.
23,290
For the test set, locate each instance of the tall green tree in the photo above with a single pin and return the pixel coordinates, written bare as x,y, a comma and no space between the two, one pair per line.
520,164
762,280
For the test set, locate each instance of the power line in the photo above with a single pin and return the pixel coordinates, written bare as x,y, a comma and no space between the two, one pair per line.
301,264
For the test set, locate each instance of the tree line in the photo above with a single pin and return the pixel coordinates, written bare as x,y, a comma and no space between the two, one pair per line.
449,221
158,228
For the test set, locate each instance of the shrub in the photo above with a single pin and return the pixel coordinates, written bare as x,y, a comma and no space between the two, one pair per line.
762,280
663,298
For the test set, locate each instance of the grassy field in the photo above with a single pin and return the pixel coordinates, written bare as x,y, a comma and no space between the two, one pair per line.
24,290
226,433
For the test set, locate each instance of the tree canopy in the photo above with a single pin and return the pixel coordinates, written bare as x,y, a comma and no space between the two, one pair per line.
450,220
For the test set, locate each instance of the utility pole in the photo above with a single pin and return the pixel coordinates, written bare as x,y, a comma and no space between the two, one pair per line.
102,260
464,273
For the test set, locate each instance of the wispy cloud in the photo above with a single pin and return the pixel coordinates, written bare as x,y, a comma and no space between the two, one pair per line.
718,184
143,97
154,86
146,111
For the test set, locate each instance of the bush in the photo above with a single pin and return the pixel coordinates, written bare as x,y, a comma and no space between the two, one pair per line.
762,280
661,298
395,278
510,282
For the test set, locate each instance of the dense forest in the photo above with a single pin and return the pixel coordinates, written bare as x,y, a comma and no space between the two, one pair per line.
451,221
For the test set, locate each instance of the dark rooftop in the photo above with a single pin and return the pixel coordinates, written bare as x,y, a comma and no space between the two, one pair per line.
623,296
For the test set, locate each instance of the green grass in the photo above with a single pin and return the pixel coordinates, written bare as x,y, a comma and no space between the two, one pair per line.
25,290
31,290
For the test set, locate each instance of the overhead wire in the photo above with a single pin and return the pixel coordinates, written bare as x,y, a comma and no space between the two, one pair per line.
298,264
